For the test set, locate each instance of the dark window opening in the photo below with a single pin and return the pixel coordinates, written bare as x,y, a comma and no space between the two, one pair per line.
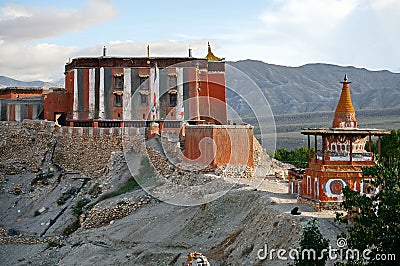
118,100
172,99
144,83
144,116
118,82
143,99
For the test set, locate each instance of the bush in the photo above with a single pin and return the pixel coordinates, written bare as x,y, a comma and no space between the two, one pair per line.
71,228
375,218
67,195
298,157
312,239
78,207
145,171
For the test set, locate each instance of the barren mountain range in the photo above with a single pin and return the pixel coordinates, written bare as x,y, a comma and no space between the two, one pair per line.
316,88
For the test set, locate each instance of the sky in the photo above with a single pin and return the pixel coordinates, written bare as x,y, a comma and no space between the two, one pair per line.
38,37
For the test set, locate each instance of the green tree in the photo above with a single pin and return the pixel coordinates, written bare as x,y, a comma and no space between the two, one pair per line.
298,157
312,239
374,218
390,148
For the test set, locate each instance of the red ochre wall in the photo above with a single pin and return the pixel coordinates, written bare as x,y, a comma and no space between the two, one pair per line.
20,94
340,173
211,76
56,102
219,145
204,94
191,81
217,91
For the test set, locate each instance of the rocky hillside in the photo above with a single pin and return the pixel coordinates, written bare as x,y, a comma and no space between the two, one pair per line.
74,199
316,87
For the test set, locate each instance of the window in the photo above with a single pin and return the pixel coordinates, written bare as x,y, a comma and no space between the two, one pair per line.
172,99
118,82
172,82
143,99
118,100
144,83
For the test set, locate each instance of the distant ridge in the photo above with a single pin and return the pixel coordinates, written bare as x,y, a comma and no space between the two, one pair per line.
316,87
10,82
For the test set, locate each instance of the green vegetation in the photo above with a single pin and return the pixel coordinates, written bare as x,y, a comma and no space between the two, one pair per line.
390,148
145,171
54,244
129,186
71,228
298,157
67,195
78,208
312,239
375,217
42,178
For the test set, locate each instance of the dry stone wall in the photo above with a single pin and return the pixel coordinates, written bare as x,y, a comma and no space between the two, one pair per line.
86,154
30,145
25,143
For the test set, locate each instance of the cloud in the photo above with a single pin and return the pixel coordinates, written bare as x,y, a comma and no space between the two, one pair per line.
304,24
38,62
20,23
348,32
46,61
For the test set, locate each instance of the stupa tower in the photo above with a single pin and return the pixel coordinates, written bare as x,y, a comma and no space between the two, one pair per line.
339,157
345,116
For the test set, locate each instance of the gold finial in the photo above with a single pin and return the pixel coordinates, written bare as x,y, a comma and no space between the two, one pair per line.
210,55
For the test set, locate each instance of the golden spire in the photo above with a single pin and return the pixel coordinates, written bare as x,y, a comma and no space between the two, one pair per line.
345,116
210,56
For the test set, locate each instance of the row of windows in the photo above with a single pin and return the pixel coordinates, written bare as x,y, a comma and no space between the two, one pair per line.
144,100
144,85
143,81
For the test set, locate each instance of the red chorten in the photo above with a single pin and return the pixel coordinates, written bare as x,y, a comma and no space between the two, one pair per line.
339,157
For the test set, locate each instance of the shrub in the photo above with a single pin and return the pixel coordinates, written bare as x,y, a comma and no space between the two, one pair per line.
312,239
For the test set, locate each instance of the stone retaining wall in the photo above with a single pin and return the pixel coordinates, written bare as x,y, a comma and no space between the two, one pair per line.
319,206
86,150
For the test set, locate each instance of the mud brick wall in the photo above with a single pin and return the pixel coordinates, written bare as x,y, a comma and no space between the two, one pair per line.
219,145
